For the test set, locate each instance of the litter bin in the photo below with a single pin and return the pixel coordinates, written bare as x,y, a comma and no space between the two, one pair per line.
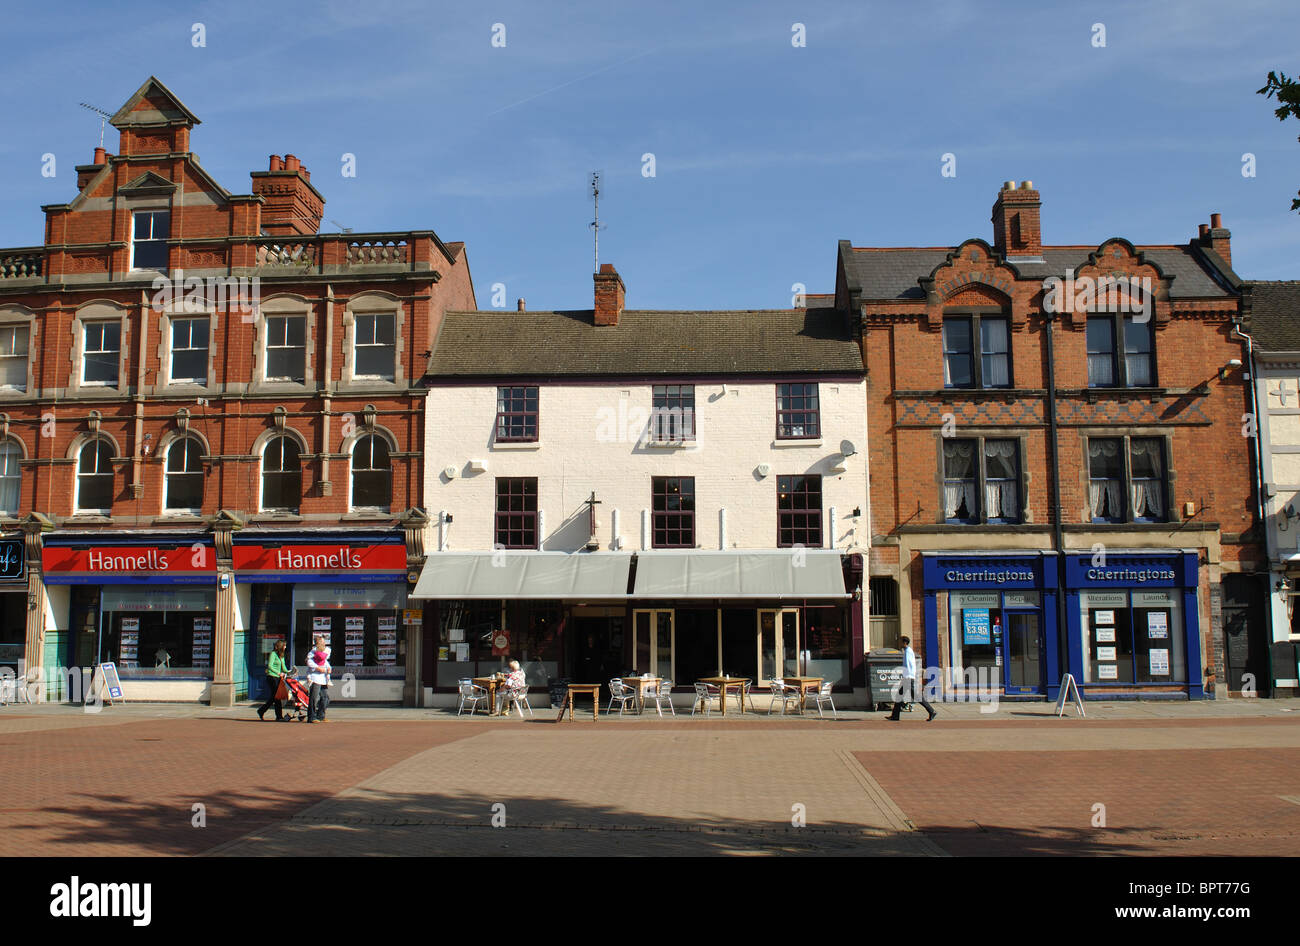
884,671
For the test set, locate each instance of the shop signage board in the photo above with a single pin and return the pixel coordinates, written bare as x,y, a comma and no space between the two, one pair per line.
194,563
13,564
108,679
319,561
1068,686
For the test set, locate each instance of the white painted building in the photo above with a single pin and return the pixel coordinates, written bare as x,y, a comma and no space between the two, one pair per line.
679,493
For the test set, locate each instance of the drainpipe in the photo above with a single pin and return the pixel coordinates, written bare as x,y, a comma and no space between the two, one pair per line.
1058,532
1259,492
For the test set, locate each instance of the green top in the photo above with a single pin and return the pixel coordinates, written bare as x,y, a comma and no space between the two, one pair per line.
276,665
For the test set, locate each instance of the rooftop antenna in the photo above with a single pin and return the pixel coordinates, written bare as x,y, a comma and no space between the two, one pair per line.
103,117
594,181
342,228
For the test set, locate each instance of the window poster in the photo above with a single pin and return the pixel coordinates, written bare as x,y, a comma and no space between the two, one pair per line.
388,622
269,641
353,638
1105,635
462,652
1107,672
128,645
1105,653
354,623
975,626
353,656
1103,617
412,616
387,655
203,624
1157,626
457,634
130,624
322,622
1159,662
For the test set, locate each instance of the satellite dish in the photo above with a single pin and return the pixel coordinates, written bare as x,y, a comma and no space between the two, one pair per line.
847,448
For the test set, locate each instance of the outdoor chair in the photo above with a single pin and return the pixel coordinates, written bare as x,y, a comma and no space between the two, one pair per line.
14,688
783,694
471,694
519,700
620,693
703,693
663,694
824,696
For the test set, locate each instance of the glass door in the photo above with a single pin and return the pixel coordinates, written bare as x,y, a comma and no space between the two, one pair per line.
653,639
1022,663
778,644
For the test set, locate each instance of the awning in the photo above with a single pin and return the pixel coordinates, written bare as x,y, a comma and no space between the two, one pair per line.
797,573
524,575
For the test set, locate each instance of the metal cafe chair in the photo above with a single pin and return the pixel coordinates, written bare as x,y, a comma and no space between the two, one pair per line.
471,694
620,693
703,693
519,699
822,696
783,694
663,694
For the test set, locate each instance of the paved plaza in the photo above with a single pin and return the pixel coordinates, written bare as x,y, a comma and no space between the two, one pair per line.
1218,778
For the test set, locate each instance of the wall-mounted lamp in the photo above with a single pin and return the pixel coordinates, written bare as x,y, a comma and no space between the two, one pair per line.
147,445
1232,363
857,511
447,518
1283,585
1284,517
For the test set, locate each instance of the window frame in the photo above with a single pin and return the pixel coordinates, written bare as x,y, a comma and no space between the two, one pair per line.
263,472
785,417
353,469
86,325
172,322
1127,479
982,478
975,355
357,345
670,413
786,485
14,328
530,421
152,240
19,454
97,443
268,347
672,522
168,474
503,528
1118,323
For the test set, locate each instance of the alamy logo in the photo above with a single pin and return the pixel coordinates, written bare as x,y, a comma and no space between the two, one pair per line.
76,899
1106,294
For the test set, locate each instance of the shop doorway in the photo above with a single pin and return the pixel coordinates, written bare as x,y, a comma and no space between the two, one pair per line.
778,644
653,640
1022,649
598,650
1245,655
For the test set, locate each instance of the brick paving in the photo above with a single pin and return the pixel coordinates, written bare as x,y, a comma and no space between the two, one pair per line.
391,781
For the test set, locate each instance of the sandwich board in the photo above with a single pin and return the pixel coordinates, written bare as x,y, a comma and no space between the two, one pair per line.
106,679
1068,685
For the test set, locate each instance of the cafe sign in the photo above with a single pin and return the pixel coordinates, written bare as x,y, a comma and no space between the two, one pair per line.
13,564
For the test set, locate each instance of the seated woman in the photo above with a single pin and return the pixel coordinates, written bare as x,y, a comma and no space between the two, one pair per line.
509,688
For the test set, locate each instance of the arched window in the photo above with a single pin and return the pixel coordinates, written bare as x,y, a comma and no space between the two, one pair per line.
11,477
281,475
95,477
372,474
184,492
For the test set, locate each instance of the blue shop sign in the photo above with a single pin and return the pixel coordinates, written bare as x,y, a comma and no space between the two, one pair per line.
955,572
1160,570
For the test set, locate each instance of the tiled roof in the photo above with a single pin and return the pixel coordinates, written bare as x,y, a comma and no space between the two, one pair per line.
889,274
1272,312
782,341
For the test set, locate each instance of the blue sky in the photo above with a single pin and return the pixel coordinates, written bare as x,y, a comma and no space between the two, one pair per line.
765,154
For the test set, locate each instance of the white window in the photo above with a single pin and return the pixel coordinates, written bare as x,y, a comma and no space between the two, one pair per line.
101,353
13,357
375,347
286,348
11,477
189,351
281,476
149,234
372,474
185,476
95,477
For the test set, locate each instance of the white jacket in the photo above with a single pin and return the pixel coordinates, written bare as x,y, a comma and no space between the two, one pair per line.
316,673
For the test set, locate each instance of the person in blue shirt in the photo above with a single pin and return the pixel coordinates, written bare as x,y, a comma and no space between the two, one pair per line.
908,690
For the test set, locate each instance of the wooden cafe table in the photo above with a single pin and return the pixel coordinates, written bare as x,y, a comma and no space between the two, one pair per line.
722,683
593,689
489,684
639,684
804,685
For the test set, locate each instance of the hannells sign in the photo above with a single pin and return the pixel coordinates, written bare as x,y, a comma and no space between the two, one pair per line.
13,566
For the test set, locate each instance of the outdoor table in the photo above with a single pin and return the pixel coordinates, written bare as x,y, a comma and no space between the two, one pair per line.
722,683
593,689
489,684
804,685
639,684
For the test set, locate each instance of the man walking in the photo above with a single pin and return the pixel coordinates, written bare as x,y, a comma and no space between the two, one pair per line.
318,675
908,690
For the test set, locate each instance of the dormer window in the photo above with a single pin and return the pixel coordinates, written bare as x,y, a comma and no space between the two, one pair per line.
149,232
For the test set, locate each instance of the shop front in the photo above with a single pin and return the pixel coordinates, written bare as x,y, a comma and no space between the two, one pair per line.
146,606
351,591
990,623
1133,624
13,603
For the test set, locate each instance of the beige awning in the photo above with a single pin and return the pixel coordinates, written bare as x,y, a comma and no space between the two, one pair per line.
509,574
797,573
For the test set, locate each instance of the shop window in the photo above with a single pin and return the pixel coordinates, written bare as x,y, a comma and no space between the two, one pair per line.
674,412
533,637
465,632
13,357
374,345
281,475
11,477
799,511
158,632
798,414
361,625
674,511
1127,479
826,643
981,469
95,477
696,651
516,515
149,232
189,353
286,348
517,414
961,366
372,474
1133,637
184,486
101,353
1121,352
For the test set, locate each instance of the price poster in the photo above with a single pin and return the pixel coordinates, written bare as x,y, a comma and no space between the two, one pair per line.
353,656
1159,663
354,624
202,624
462,652
1105,653
1104,617
1157,626
387,655
388,622
129,644
975,626
322,623
1107,672
1105,635
130,624
354,638
456,634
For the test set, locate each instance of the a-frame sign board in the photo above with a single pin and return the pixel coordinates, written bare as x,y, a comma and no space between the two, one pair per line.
1067,686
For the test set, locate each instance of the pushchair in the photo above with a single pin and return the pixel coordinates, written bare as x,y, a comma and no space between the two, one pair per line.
296,698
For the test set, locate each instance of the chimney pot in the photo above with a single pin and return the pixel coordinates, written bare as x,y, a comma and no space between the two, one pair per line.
1008,185
1216,221
291,163
1026,185
521,304
101,156
306,174
1205,230
276,162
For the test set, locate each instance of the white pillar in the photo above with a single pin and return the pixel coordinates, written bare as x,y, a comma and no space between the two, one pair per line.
645,529
830,533
541,529
442,530
722,529
616,541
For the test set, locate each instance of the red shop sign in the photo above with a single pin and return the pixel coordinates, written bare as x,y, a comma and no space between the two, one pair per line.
316,559
129,560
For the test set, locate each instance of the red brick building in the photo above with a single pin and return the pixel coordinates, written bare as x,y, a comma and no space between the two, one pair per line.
211,417
1059,477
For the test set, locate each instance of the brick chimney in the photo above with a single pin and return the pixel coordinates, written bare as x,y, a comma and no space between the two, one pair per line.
610,293
1016,228
293,205
1217,237
87,171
